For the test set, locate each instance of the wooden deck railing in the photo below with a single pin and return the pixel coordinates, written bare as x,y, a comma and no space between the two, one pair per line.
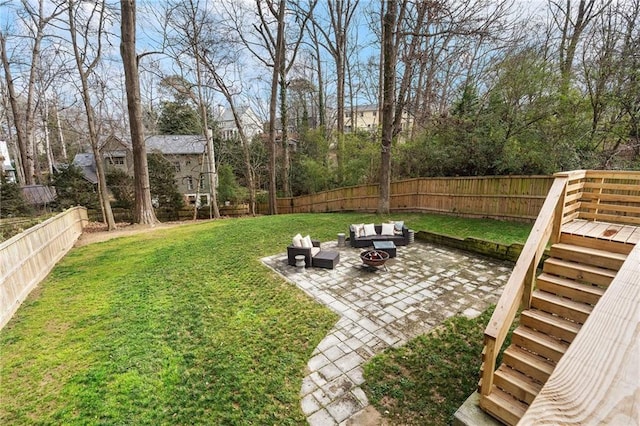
607,196
518,289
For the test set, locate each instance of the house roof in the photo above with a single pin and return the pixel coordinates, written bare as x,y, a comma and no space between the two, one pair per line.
86,162
227,115
176,144
38,195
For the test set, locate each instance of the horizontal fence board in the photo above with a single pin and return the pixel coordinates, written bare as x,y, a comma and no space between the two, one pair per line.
28,257
499,197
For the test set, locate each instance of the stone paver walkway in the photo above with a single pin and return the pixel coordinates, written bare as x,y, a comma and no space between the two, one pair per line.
421,287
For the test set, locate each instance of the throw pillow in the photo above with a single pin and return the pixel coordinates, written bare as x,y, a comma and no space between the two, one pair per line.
387,229
306,242
297,240
369,230
398,227
358,229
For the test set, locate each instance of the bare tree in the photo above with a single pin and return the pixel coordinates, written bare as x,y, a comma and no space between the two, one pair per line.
36,18
390,54
188,22
336,38
80,32
572,22
143,210
270,35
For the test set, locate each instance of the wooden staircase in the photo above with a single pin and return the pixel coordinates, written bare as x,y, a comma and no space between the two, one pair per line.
574,278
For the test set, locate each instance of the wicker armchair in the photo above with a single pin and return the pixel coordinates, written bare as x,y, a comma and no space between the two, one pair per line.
308,253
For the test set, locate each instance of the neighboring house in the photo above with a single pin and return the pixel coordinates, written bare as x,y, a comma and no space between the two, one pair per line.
6,168
187,153
367,118
250,122
117,153
86,162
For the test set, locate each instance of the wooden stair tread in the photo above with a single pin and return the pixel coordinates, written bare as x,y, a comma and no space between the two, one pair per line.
596,243
561,306
520,386
579,271
571,289
528,363
540,343
550,324
503,406
592,256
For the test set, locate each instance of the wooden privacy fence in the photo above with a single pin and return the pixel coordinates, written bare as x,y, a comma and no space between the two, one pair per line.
499,197
28,257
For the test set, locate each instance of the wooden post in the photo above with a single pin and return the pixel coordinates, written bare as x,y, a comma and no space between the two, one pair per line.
488,365
558,215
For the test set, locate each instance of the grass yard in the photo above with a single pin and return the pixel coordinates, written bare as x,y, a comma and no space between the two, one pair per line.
427,380
178,326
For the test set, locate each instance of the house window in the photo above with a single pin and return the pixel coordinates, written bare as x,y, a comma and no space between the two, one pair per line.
201,183
189,183
176,165
115,161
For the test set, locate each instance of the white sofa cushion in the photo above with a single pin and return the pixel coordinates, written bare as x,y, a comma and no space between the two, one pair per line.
387,229
297,241
369,230
314,251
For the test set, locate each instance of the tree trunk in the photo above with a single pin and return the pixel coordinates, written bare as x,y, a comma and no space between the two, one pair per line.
25,174
143,211
249,174
47,136
388,84
103,193
211,160
286,158
279,52
63,147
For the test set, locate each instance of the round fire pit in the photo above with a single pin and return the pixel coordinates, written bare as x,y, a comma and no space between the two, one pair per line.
374,258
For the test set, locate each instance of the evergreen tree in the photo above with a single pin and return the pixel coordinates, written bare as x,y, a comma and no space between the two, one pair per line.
178,118
72,189
164,190
12,202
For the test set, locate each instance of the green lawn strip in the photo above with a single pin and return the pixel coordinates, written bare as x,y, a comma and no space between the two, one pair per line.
182,326
428,379
485,229
178,326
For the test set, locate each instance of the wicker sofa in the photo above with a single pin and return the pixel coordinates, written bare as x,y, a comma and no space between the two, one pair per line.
366,241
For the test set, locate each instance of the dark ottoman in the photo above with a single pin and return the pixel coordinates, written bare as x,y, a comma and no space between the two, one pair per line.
326,259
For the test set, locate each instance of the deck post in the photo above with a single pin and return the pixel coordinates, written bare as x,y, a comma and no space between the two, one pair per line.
558,216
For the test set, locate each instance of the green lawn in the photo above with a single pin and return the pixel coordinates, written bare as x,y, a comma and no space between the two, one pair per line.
428,379
179,326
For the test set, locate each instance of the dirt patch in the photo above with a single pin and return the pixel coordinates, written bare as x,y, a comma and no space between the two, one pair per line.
96,232
369,416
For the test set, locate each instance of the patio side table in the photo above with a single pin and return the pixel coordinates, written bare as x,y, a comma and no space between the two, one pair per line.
387,246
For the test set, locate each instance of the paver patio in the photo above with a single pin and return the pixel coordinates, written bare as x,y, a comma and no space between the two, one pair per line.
421,287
